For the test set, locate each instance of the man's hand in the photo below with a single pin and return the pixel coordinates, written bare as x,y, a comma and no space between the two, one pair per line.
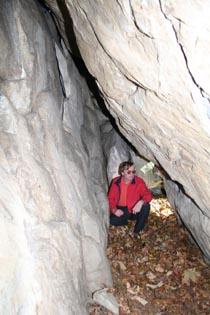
118,212
138,206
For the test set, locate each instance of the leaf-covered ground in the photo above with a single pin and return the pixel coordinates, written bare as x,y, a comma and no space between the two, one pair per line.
160,273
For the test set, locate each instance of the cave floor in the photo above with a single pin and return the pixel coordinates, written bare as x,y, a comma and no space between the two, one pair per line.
160,273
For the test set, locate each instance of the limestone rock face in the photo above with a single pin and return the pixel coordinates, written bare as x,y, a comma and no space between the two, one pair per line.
148,58
195,220
53,207
115,148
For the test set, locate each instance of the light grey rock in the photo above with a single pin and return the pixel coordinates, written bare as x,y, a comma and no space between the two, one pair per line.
116,150
107,300
53,227
196,221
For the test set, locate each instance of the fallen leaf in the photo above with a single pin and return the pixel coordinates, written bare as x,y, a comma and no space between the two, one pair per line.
159,268
144,259
150,275
124,281
139,299
190,274
128,285
154,286
122,266
121,311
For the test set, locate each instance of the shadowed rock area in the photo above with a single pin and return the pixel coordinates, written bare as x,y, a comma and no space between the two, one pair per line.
58,150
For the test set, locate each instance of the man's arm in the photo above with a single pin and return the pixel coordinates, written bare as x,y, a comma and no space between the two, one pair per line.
112,198
145,197
138,206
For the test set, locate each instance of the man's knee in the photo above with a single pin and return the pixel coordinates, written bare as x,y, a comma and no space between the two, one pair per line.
146,207
118,221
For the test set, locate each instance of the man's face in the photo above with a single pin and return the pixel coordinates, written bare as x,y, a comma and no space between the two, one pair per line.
129,174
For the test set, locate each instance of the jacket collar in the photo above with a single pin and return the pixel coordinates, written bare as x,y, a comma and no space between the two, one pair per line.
118,181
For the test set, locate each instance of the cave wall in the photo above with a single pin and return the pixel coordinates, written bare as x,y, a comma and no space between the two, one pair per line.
148,58
196,221
53,209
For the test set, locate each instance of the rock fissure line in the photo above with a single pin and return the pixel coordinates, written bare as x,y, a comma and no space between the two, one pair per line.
135,22
133,81
181,47
118,2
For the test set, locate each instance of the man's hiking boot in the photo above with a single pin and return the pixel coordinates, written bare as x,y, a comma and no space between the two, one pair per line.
136,235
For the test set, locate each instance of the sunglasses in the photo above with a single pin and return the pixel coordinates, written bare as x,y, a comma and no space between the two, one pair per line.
129,172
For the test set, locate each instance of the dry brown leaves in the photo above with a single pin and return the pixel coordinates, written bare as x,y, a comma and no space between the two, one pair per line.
162,273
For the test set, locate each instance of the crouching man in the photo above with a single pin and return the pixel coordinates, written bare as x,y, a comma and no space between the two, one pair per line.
129,198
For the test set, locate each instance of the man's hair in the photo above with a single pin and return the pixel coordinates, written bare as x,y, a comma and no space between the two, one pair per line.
124,166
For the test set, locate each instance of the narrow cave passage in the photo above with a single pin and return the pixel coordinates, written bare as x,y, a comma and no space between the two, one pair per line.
161,272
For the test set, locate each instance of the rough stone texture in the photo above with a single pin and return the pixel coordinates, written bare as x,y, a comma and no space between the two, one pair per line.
53,211
115,148
196,221
148,60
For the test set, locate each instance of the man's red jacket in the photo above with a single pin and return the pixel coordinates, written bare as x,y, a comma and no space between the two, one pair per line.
137,190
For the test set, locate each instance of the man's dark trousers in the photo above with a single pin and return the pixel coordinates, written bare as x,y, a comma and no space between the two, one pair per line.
140,217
